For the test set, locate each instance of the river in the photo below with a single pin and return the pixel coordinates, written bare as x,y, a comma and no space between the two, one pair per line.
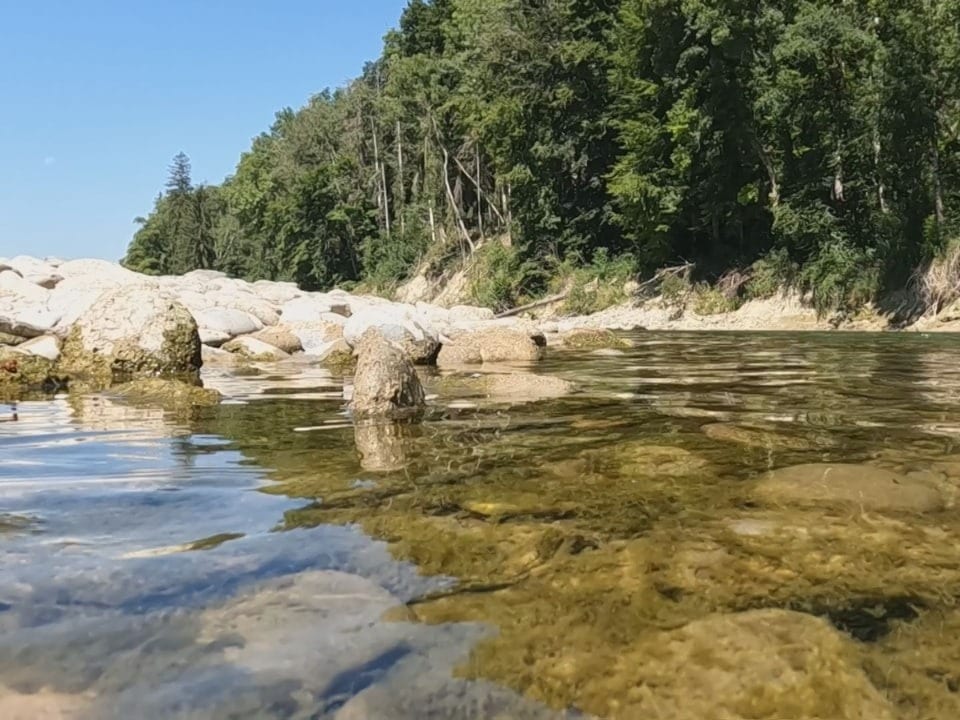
657,544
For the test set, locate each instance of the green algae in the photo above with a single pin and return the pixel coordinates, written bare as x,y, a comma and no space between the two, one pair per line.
589,339
27,376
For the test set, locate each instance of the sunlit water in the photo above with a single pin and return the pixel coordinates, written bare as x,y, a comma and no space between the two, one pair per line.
507,558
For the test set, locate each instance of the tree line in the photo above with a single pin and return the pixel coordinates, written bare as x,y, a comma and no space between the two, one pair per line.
820,138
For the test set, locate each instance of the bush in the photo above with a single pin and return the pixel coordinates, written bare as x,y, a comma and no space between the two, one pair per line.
596,286
710,300
841,277
675,289
501,279
771,274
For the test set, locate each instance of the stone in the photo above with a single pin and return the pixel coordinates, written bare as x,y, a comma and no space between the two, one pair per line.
381,446
309,308
28,321
226,321
45,346
399,326
385,384
20,373
281,337
459,313
254,349
594,339
757,664
133,331
505,387
318,336
489,346
11,283
862,486
172,395
8,339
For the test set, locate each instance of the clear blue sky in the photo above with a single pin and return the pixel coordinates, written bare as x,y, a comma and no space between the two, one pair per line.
97,97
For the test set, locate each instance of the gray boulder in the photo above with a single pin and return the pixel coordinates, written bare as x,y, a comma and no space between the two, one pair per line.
385,384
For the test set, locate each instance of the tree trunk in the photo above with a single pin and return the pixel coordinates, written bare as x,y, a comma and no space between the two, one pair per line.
381,178
402,199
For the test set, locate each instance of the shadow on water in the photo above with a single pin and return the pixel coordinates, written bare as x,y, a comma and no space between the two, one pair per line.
731,526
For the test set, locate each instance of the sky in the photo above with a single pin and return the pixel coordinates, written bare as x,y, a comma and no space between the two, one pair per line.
96,98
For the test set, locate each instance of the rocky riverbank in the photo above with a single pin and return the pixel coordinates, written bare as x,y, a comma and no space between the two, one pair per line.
94,323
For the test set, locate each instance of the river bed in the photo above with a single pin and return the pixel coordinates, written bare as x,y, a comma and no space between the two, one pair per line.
710,525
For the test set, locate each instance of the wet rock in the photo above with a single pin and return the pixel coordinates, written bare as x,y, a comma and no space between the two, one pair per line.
173,395
728,432
382,446
506,387
45,346
757,664
385,384
281,337
132,331
399,326
489,346
21,373
863,486
254,349
338,357
591,339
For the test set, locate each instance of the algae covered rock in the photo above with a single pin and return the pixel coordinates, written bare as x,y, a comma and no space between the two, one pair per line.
863,486
386,384
490,345
129,332
594,339
21,374
759,664
173,395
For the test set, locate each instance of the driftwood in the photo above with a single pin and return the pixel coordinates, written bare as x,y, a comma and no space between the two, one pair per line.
533,305
675,271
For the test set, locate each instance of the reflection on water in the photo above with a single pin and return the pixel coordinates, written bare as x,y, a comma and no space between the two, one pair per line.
728,526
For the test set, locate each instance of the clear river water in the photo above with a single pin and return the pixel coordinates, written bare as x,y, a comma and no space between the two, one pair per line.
657,544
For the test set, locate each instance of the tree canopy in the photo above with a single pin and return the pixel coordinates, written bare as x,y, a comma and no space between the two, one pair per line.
823,134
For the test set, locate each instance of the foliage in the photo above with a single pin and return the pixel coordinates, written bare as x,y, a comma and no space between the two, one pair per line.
816,142
771,274
710,300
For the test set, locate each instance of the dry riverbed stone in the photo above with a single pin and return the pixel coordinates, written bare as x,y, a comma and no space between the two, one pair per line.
863,486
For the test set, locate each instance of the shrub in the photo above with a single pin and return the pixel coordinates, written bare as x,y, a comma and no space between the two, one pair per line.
771,274
841,277
710,300
596,286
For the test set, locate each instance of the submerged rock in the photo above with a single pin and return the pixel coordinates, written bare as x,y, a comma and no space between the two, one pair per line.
382,446
385,384
728,432
758,664
864,486
132,331
506,387
490,345
593,339
174,395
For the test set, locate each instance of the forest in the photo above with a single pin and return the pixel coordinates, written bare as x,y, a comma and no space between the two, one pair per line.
810,143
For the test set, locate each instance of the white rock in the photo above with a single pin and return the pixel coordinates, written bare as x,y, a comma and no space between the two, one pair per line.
211,337
309,308
276,292
470,312
27,320
399,325
136,329
46,346
11,283
228,321
99,273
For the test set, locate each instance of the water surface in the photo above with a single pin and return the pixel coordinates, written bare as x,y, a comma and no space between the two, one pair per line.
503,559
